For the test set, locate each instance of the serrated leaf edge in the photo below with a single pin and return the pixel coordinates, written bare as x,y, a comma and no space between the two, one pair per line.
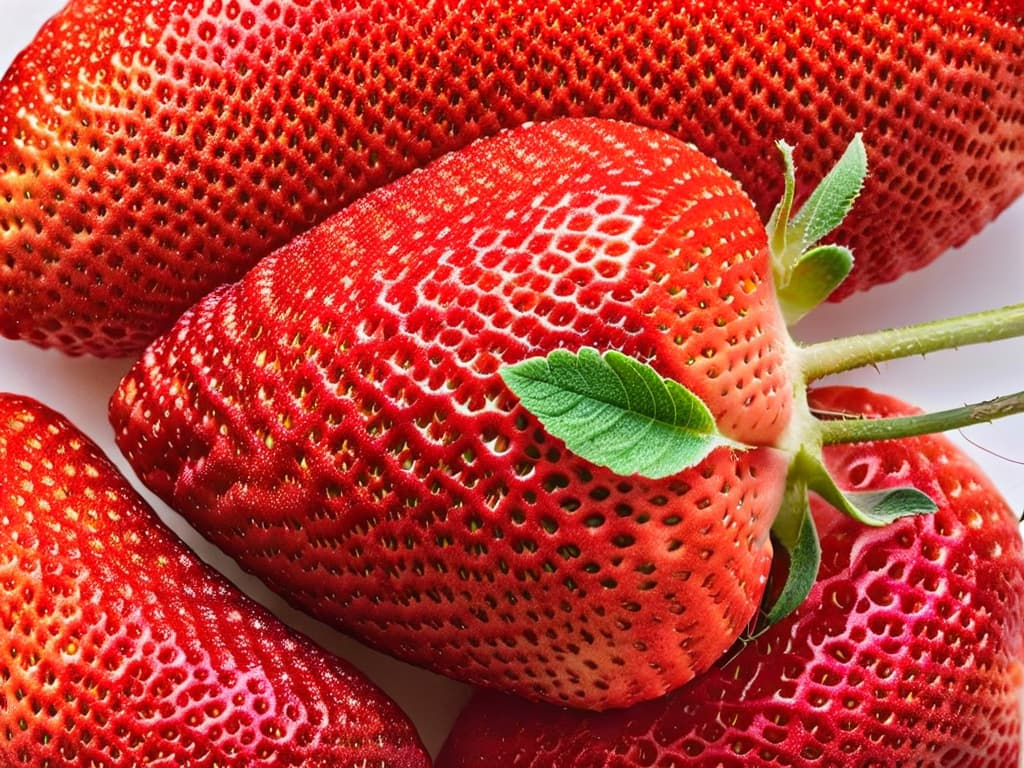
599,444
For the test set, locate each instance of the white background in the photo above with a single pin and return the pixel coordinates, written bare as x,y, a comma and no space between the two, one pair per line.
988,272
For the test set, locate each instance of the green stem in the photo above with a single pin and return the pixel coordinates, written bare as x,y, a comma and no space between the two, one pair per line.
858,430
838,355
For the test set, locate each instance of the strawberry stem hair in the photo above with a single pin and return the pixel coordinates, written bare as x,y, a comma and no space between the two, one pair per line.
845,354
859,429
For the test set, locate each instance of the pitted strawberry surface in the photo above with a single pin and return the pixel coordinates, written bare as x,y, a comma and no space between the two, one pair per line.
907,652
336,422
120,648
151,150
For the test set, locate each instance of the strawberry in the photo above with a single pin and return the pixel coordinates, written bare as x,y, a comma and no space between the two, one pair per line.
150,151
121,648
907,652
361,421
336,422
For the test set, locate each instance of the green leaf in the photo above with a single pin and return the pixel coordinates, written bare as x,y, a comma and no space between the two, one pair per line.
887,506
815,275
794,530
875,508
834,196
778,224
804,275
616,411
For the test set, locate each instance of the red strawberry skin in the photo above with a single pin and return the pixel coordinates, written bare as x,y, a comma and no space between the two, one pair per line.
336,421
151,150
907,652
120,648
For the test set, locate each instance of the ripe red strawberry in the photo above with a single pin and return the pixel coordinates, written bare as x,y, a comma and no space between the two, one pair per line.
120,648
336,421
150,151
908,651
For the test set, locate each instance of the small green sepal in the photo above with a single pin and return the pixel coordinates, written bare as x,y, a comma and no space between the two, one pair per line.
834,196
616,411
795,532
815,275
806,275
778,223
874,508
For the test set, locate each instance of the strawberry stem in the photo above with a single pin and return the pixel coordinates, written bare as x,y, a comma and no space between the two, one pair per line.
845,354
858,430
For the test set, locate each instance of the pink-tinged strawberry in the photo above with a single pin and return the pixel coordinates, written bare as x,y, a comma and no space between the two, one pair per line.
120,648
152,150
337,423
908,651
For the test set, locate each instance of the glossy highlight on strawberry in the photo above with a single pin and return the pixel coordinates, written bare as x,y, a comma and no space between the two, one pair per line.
336,420
120,648
151,150
908,651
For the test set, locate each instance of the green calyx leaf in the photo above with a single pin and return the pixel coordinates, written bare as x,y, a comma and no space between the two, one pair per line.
805,275
815,275
833,198
778,223
794,531
616,411
874,508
